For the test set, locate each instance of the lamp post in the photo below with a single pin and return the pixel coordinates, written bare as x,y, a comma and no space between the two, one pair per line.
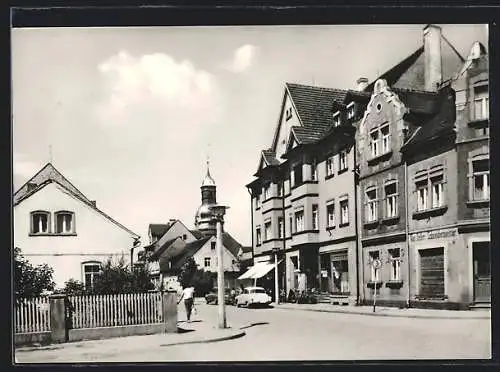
218,212
276,288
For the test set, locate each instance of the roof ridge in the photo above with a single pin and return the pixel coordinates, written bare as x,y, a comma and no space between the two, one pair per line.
316,87
453,48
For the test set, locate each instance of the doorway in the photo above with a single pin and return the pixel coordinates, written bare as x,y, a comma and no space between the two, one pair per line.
482,271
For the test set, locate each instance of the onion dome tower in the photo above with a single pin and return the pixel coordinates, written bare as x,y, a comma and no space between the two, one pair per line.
203,219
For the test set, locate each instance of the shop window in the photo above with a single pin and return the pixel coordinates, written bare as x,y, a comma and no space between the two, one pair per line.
330,213
395,262
299,220
481,179
344,212
391,199
329,166
40,222
371,205
315,217
374,272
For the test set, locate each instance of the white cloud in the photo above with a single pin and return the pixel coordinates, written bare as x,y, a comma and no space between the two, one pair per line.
242,58
158,88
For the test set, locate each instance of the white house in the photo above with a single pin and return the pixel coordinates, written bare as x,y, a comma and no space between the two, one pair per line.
54,223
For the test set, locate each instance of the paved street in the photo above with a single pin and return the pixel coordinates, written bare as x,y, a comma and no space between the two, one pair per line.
279,334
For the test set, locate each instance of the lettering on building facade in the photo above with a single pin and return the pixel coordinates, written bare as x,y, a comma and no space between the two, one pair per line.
431,235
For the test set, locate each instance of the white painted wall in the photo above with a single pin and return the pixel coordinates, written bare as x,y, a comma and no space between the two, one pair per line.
285,127
96,237
206,251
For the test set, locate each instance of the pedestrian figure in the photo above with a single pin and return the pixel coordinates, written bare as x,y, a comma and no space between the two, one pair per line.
188,296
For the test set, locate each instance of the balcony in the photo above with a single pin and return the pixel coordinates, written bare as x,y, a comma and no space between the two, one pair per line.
307,188
305,236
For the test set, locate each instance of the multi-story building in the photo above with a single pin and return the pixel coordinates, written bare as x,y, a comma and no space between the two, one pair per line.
303,200
409,103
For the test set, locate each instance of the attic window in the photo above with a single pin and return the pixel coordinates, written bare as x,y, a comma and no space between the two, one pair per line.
350,110
288,113
40,222
336,119
379,107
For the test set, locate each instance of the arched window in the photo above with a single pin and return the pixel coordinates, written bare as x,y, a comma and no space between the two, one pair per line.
40,222
65,223
90,270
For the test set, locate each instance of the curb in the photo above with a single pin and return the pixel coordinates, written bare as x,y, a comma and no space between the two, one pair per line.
411,316
231,336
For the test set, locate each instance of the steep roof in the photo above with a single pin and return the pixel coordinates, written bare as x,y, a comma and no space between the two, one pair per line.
410,72
306,135
246,249
57,178
231,244
158,229
314,105
161,249
197,234
48,172
189,250
270,157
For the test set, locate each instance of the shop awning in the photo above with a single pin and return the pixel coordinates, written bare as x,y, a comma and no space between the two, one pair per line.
258,270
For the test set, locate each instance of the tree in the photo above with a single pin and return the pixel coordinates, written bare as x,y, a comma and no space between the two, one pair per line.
73,288
118,277
31,281
191,275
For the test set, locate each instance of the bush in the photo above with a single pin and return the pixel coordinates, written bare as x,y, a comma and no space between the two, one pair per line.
191,275
31,281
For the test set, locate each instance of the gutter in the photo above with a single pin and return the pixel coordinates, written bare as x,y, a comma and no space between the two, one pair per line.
356,223
407,231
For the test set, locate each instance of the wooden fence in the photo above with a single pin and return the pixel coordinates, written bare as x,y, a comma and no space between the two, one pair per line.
32,315
91,311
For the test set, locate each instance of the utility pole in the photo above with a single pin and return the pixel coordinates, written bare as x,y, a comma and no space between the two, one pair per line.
276,287
218,212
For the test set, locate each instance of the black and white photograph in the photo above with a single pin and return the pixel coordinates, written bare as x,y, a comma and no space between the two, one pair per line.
251,193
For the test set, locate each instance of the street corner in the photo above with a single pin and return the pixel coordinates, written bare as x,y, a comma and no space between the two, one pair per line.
197,332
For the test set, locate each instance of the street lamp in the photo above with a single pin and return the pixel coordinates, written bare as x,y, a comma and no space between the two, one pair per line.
218,212
276,289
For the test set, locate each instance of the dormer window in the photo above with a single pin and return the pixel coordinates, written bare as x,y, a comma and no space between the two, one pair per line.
350,110
64,222
40,222
336,119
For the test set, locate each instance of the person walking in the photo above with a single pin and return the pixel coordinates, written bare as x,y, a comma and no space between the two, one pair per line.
188,296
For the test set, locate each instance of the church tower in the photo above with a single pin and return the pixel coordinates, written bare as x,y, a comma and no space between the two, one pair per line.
203,219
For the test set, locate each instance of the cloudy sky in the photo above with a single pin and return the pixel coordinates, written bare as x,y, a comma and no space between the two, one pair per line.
132,113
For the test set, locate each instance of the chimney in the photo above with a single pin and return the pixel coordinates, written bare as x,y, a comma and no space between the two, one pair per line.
361,84
94,203
432,55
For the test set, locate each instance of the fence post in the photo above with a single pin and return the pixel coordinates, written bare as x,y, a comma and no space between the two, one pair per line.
58,326
169,301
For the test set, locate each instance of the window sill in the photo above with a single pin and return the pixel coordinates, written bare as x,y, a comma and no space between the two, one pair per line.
305,232
372,284
432,212
329,176
371,224
272,240
328,228
478,123
257,209
390,220
483,203
52,234
342,170
344,224
379,158
394,284
258,244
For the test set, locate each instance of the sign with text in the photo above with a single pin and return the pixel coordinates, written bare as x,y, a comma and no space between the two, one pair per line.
431,235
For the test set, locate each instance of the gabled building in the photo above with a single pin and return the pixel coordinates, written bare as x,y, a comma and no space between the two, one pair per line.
172,244
56,224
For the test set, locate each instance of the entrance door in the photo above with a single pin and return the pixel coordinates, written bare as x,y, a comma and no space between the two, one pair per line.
482,271
340,272
432,273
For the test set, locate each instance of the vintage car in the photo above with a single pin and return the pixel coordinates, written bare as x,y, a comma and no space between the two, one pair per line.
212,298
253,296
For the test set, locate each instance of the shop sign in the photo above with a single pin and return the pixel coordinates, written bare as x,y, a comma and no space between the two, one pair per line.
431,235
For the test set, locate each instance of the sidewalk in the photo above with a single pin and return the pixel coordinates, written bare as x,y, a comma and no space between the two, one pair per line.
189,333
389,311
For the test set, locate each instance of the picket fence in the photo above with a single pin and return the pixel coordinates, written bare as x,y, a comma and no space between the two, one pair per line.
32,315
91,311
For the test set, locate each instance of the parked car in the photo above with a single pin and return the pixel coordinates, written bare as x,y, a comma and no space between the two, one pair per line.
253,296
212,297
